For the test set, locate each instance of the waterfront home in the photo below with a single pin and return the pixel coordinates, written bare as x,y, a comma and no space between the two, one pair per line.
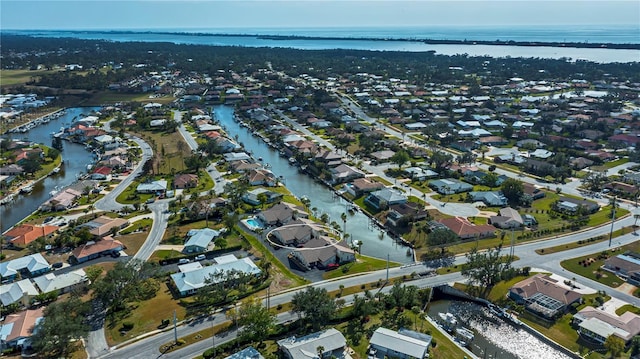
27,266
450,186
597,325
102,173
544,296
186,180
193,278
252,198
95,249
281,213
18,292
329,158
236,156
384,198
331,340
261,177
199,240
508,218
489,198
63,200
244,166
403,344
345,173
17,328
359,186
24,234
63,283
626,266
103,225
406,213
155,187
296,232
467,230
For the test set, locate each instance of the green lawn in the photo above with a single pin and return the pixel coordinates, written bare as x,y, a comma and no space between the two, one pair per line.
617,162
589,266
129,195
144,223
18,77
565,247
363,264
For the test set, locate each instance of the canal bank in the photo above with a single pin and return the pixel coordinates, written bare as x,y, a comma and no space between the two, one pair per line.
376,243
75,159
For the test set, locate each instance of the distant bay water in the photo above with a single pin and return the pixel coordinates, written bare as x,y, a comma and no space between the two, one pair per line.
363,39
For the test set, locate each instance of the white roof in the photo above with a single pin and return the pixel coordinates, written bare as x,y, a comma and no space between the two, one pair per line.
51,282
195,279
13,292
32,263
225,259
386,338
307,347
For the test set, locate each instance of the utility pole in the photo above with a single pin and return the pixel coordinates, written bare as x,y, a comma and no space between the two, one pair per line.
175,327
387,267
613,218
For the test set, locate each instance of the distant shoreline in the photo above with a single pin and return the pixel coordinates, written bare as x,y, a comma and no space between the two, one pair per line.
585,45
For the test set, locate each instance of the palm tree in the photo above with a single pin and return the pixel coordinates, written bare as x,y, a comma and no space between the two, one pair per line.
344,224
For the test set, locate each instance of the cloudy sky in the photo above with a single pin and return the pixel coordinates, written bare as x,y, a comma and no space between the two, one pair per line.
203,14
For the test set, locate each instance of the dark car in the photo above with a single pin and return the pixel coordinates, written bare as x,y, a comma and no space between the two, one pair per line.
56,265
115,254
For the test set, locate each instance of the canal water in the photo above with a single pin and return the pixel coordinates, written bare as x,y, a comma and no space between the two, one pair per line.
494,338
301,185
75,160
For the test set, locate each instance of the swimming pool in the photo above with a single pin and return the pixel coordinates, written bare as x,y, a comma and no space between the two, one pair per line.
253,223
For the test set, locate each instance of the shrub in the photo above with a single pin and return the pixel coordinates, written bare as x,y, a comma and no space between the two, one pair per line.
126,326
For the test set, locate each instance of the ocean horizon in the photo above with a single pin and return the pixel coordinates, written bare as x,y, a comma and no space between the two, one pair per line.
615,34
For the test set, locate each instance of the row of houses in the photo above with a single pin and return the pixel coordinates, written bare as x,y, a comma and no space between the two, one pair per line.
23,291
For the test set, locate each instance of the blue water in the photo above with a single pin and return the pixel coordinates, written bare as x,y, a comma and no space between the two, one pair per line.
358,39
254,223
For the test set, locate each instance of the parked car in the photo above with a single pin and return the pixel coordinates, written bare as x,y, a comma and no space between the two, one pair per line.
56,265
200,257
183,261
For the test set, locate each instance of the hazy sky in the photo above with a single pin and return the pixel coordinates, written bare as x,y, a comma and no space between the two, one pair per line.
149,14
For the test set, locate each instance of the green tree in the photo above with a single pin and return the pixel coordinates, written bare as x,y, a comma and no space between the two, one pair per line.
93,272
315,304
256,321
263,199
440,161
56,143
512,189
125,283
614,345
484,270
441,236
400,158
64,322
195,162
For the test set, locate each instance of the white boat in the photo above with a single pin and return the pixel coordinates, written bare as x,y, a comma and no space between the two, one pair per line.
26,189
464,335
448,321
56,170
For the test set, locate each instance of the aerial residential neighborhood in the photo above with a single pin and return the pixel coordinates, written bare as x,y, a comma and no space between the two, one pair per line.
174,203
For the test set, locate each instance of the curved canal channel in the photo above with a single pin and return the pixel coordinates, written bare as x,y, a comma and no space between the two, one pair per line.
359,227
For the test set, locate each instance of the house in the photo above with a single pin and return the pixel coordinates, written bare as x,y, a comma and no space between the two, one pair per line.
24,234
63,283
384,198
102,173
251,197
405,212
420,174
295,233
362,185
306,347
508,218
329,158
344,173
321,252
155,187
261,177
533,191
544,296
477,176
244,166
404,344
381,156
199,240
62,201
202,208
236,156
626,266
92,250
622,188
571,205
467,230
490,198
597,325
103,225
281,213
185,180
11,170
27,266
21,291
188,282
450,186
17,328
